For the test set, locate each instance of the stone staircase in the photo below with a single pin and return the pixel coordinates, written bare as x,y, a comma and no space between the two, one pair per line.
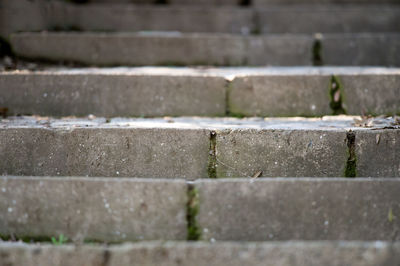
203,132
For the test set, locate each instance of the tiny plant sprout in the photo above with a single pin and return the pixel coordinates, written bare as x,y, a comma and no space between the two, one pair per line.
61,240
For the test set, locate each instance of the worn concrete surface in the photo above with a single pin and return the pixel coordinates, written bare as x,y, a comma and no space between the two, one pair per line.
127,151
223,253
197,16
376,95
361,49
165,48
93,208
183,91
180,147
281,153
160,18
64,93
378,153
280,95
315,18
307,209
266,2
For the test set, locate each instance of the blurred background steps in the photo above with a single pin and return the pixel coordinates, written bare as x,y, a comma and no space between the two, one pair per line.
204,254
177,49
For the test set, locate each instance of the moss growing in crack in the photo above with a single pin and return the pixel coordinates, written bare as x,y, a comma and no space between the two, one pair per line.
244,2
317,53
212,160
5,48
192,209
336,97
351,164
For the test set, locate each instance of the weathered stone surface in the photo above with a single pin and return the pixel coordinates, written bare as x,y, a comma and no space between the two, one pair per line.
195,16
93,208
281,153
366,94
14,16
328,18
306,209
19,254
160,18
82,150
280,95
222,253
361,49
264,2
64,93
206,2
378,153
164,49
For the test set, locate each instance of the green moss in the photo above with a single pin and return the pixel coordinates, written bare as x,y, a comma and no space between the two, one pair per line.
390,215
192,209
351,164
26,239
336,96
317,53
212,160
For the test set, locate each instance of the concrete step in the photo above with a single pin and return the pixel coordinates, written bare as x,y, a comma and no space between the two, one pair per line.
306,209
171,91
271,19
205,254
193,148
250,209
93,209
272,16
209,49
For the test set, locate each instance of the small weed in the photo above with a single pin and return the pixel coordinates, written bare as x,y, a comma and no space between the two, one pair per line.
61,240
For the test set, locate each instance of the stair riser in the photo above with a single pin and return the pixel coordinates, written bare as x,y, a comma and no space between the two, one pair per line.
309,18
93,209
299,209
174,254
137,148
104,209
208,49
112,95
61,93
112,152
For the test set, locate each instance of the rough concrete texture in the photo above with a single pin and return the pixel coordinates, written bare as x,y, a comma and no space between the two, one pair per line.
64,93
126,151
205,254
93,208
328,18
14,16
264,2
165,48
280,95
281,153
180,147
361,49
366,94
195,16
206,2
378,153
159,18
181,91
306,209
